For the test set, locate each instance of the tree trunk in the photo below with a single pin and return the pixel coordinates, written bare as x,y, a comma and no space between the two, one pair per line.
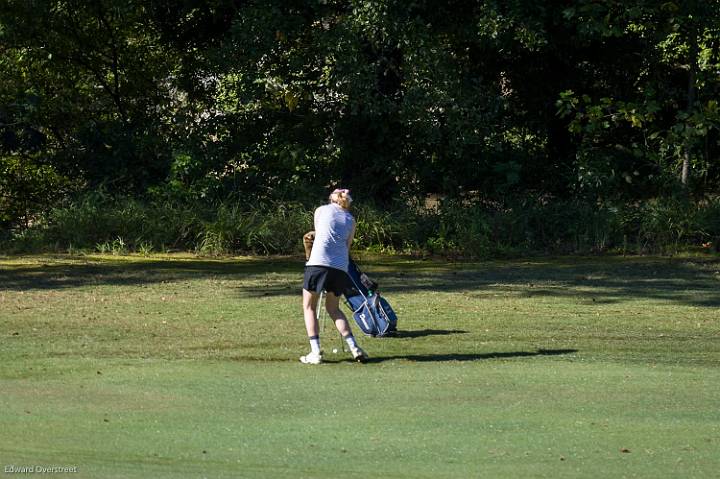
685,174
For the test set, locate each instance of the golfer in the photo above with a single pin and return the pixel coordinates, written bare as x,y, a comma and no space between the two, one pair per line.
327,270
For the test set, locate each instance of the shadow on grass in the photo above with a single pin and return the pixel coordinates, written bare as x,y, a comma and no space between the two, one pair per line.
595,280
62,274
425,358
419,333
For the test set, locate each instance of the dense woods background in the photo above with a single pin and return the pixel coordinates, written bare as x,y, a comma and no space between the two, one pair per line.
462,127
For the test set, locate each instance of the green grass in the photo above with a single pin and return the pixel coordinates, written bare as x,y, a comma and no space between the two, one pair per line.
175,366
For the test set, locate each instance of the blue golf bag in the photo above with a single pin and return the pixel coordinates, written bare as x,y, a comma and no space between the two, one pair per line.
372,313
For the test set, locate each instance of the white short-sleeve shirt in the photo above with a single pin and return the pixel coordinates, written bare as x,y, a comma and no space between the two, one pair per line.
333,227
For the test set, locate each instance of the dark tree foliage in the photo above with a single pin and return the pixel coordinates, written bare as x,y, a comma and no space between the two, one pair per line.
395,99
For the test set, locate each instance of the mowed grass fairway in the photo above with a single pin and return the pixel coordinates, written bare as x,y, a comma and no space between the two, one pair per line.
173,366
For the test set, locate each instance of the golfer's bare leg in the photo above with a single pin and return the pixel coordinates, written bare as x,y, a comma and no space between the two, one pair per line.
332,305
310,301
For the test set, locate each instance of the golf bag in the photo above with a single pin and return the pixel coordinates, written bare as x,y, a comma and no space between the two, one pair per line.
372,313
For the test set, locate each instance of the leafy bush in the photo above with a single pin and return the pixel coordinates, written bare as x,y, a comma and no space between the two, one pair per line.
28,187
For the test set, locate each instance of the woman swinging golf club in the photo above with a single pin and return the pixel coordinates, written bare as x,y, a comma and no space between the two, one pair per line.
326,270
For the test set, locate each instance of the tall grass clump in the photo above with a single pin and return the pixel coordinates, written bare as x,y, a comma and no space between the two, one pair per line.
668,225
458,228
555,226
391,230
101,222
262,229
481,228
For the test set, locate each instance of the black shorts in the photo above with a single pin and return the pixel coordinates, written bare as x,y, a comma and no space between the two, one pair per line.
319,278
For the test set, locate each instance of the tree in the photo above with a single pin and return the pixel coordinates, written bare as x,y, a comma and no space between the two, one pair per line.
666,117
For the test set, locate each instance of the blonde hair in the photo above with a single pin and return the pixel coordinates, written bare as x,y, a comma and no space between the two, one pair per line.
341,197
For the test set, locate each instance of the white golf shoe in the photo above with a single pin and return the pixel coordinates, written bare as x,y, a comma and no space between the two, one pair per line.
311,358
358,354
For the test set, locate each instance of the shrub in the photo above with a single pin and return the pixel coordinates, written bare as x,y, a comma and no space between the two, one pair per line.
465,229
